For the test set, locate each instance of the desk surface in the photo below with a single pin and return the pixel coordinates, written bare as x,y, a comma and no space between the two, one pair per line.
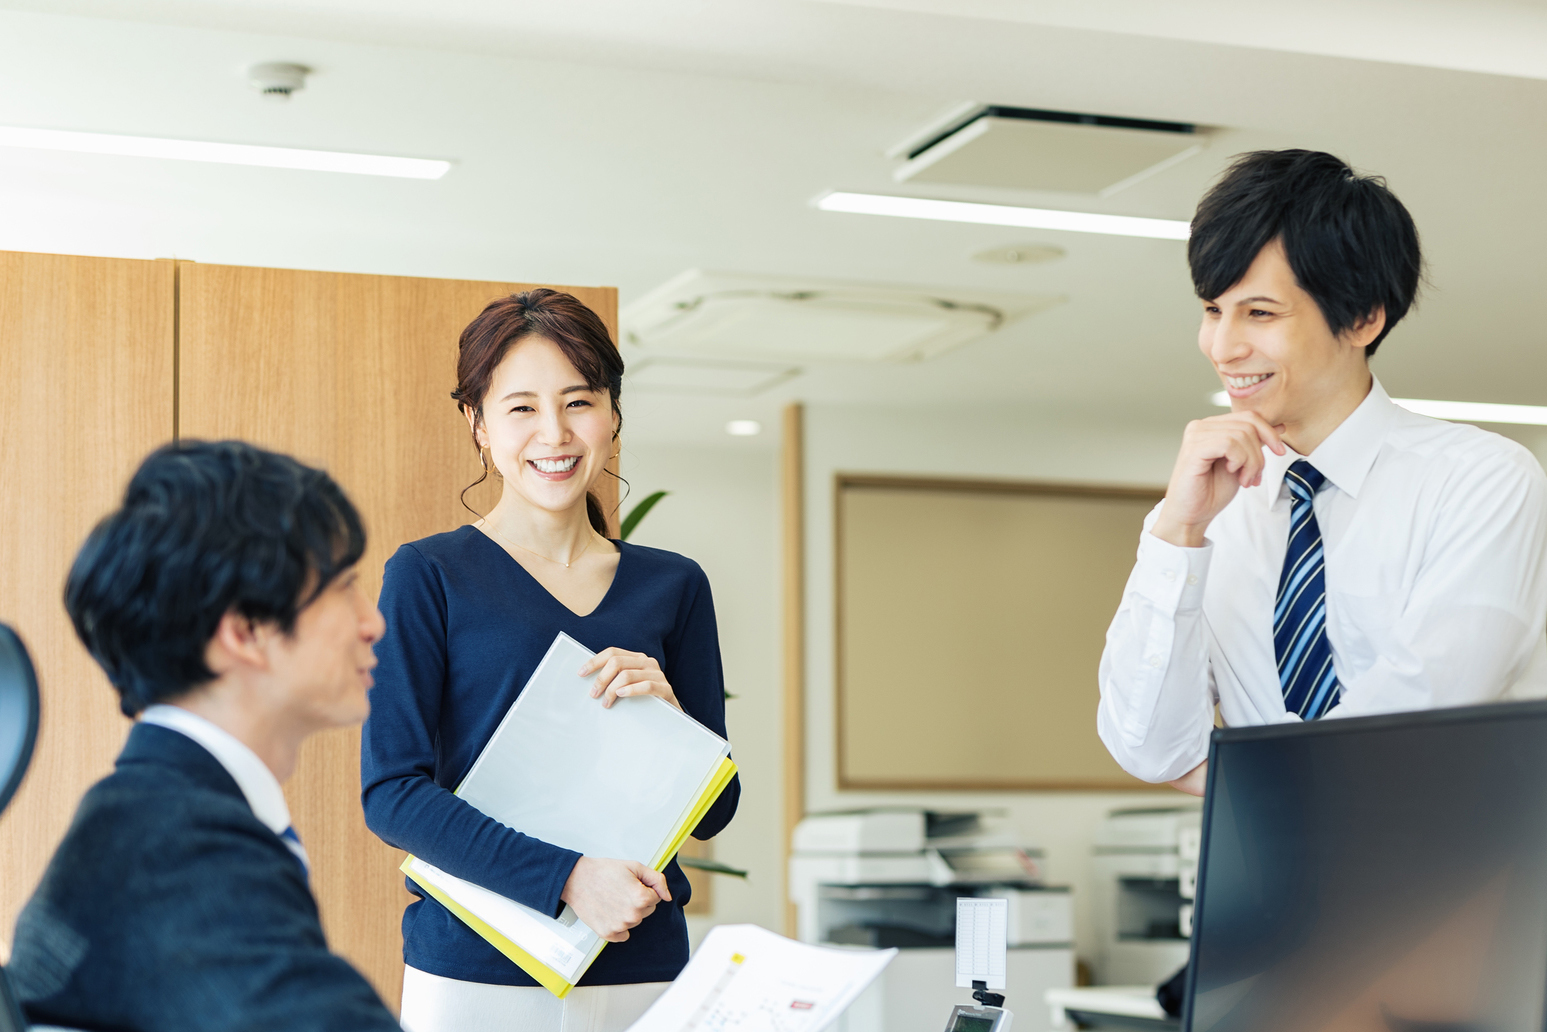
1110,1007
1133,1001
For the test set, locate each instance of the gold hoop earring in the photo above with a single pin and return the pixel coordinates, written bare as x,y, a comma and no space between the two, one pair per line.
481,461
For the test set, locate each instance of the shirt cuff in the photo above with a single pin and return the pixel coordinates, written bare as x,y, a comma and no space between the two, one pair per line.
1168,576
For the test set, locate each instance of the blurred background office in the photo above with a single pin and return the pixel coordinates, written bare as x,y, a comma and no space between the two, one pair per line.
863,409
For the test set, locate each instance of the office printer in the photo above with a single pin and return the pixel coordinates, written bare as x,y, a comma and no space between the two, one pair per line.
890,877
1146,868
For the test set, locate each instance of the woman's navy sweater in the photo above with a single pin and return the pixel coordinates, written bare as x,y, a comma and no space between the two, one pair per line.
466,627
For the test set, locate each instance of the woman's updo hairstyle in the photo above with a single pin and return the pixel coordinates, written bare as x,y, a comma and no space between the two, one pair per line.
552,315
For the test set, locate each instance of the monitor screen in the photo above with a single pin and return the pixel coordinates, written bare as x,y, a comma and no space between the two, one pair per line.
1378,874
969,1023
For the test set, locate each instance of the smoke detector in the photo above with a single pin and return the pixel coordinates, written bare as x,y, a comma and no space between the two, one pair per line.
276,80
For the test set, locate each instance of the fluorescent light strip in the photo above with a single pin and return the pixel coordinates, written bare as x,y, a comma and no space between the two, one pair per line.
1462,411
1003,215
222,153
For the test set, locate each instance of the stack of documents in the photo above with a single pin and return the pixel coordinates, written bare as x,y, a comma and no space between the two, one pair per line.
747,979
626,783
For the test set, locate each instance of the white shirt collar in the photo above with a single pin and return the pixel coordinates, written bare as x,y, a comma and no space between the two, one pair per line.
1347,454
251,774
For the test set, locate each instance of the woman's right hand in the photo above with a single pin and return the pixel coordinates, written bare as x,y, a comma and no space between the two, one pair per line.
612,896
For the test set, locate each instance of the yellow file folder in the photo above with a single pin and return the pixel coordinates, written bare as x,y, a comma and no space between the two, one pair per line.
562,769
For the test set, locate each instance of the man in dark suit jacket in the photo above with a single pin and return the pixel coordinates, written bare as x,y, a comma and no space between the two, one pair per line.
222,602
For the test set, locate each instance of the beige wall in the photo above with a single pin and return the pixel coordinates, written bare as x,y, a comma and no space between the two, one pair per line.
724,514
1023,445
1008,588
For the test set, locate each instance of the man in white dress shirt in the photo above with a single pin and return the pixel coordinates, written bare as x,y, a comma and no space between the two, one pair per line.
1320,550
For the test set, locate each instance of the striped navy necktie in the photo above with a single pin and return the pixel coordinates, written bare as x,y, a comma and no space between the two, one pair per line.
1300,615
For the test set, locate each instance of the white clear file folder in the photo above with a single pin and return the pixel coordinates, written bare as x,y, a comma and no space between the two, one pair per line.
627,783
747,979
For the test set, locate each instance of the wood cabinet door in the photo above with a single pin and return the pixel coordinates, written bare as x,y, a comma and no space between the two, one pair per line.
86,360
353,374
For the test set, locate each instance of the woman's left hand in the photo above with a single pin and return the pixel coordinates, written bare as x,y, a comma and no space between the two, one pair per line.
622,674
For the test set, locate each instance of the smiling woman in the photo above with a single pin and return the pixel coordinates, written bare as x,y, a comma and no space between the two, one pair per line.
469,616
558,322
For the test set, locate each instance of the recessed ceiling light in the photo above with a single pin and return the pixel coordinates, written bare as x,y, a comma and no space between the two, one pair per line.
1003,215
1462,411
222,153
743,428
1020,254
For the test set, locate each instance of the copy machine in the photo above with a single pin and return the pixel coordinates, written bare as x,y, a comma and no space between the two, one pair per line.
1146,867
891,877
1146,871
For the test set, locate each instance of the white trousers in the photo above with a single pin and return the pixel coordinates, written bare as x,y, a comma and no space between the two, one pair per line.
432,1003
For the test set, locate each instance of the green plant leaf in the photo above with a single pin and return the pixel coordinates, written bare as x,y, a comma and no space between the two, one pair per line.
712,866
638,513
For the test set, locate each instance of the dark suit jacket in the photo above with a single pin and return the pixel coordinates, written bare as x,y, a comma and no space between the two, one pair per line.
169,907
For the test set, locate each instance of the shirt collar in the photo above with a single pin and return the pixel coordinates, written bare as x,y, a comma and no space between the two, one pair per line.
1347,454
252,775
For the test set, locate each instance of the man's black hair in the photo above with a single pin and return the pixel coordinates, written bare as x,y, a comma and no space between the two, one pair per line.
204,529
1351,244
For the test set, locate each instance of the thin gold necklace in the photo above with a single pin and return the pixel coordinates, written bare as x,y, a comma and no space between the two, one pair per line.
558,562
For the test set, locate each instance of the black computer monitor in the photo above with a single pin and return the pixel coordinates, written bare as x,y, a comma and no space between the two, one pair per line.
18,732
1375,874
18,713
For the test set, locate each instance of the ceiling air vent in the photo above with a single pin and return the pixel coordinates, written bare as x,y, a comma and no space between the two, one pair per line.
1032,149
731,316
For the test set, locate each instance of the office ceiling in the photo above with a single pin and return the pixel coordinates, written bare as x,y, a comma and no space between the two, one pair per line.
608,141
1504,37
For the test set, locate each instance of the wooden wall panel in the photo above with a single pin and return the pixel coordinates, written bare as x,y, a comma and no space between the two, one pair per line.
86,358
351,373
792,489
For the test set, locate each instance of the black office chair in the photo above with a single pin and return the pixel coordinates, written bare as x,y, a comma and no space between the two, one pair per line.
18,733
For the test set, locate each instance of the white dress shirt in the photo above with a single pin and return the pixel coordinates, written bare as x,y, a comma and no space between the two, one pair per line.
1436,575
258,784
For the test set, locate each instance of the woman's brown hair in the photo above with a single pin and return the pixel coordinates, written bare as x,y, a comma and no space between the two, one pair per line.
553,315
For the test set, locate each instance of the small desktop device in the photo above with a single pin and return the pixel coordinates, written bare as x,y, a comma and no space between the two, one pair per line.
981,936
979,1019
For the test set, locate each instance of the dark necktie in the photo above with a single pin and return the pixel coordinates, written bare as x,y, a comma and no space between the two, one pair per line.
1300,616
293,841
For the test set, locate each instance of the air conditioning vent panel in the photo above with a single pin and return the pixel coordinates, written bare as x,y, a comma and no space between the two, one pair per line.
740,317
1026,153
